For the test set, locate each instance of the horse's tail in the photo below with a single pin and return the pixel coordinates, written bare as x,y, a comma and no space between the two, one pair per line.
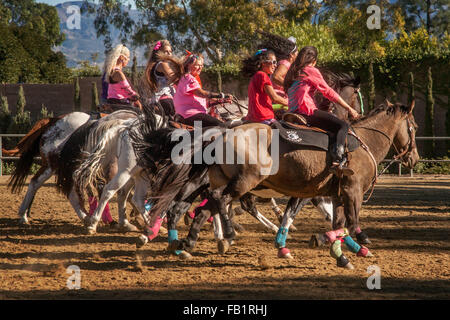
90,170
153,149
28,148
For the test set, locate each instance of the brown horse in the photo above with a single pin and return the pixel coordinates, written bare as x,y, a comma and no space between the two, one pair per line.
303,172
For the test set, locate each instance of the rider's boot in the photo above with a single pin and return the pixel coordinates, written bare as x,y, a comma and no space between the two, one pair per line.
339,165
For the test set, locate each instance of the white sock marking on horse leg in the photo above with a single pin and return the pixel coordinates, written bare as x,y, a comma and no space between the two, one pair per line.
218,231
266,222
326,208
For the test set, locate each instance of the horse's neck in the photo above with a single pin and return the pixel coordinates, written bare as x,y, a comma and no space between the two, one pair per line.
376,141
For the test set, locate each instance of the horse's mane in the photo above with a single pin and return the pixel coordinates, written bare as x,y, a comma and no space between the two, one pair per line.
338,80
384,107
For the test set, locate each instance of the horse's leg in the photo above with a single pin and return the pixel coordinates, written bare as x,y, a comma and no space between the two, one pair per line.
292,209
122,196
43,174
279,213
173,217
199,220
75,201
335,236
248,203
325,206
108,192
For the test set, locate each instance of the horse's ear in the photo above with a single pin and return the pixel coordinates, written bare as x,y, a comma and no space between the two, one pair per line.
388,103
411,107
357,81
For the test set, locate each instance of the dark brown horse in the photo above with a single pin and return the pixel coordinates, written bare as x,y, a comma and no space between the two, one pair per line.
302,172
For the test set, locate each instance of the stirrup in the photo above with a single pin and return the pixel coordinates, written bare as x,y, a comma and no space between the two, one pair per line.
340,170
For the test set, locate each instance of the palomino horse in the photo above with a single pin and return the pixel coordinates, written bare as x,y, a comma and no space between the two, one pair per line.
302,172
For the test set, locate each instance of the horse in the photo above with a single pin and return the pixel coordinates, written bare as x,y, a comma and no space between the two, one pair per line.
302,172
113,148
46,138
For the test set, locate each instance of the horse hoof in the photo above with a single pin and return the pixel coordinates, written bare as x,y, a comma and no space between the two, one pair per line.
284,253
91,230
365,241
128,227
292,228
24,222
141,241
362,238
163,230
223,246
369,254
187,219
316,241
184,255
238,211
349,266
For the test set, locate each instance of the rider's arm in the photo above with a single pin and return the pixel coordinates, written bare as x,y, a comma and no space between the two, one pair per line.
208,94
274,96
118,76
317,80
165,68
279,75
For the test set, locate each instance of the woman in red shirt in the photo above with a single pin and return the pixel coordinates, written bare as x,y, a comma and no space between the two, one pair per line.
301,82
261,94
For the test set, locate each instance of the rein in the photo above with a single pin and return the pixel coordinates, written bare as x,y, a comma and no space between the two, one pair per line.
399,155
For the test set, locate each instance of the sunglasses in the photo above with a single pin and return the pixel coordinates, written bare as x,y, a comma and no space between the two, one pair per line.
274,62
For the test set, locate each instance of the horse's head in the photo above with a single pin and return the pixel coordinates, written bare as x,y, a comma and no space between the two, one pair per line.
405,139
348,87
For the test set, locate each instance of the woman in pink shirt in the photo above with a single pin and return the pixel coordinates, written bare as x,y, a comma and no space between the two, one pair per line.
301,82
190,100
119,89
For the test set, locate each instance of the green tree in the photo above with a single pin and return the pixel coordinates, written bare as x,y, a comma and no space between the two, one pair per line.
77,97
134,72
27,42
44,113
429,116
95,101
371,87
411,93
21,122
5,115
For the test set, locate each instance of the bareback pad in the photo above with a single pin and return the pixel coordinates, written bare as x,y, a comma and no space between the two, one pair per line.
301,135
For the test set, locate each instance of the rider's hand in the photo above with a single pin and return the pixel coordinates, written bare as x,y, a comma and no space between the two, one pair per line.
353,114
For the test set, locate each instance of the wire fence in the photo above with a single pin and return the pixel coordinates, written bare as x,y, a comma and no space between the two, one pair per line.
411,172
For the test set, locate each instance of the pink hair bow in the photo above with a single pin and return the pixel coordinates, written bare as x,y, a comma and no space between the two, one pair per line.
157,46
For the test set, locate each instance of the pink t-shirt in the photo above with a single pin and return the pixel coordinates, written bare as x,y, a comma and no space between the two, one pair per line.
186,103
301,92
120,90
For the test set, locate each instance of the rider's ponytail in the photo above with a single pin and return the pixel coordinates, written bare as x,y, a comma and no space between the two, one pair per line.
306,56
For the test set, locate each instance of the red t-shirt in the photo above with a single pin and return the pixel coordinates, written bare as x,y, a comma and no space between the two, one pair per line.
259,103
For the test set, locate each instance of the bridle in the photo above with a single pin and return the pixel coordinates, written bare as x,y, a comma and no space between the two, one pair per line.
407,150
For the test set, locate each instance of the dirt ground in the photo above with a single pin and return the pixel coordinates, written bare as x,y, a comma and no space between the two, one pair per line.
407,219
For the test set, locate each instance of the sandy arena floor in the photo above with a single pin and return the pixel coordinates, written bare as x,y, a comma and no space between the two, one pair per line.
407,219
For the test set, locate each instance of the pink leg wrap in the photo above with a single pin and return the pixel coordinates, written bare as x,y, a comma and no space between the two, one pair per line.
92,205
362,252
106,215
334,234
153,231
358,230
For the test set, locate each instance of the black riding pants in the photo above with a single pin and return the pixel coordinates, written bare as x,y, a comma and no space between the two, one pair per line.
327,121
206,119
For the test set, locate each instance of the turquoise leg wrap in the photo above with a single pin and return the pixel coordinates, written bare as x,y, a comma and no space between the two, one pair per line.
147,207
173,235
280,240
351,244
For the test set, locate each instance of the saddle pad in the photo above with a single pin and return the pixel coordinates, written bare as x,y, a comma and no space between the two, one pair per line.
310,136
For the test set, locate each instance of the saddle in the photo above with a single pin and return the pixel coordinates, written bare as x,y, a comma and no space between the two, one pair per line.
293,129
